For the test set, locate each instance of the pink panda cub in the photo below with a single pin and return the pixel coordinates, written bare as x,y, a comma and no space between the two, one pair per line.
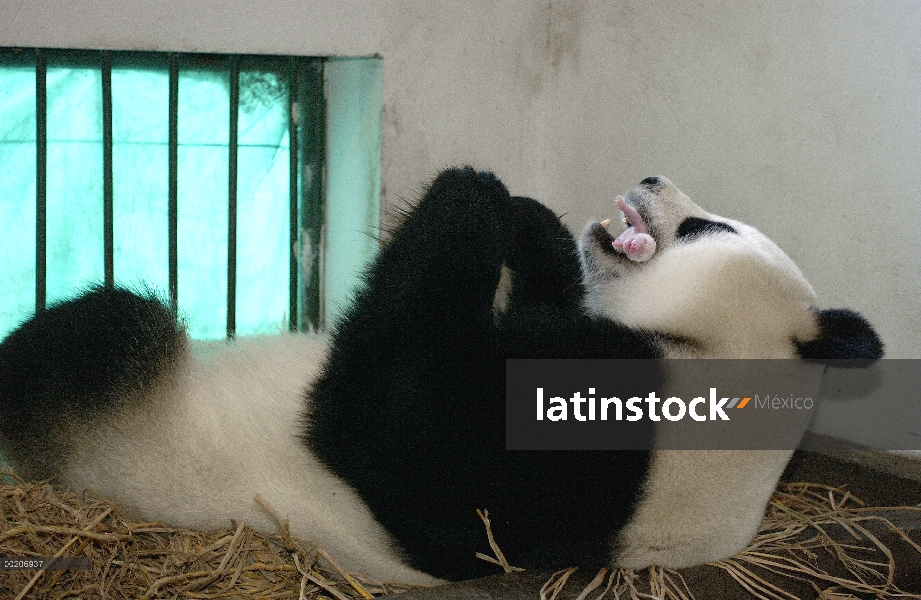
635,242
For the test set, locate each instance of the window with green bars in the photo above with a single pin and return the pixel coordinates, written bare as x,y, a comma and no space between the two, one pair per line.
224,182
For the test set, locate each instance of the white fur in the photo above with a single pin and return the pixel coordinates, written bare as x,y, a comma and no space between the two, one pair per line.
223,429
734,296
699,506
709,291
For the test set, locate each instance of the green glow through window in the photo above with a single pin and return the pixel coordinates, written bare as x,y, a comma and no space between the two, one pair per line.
210,201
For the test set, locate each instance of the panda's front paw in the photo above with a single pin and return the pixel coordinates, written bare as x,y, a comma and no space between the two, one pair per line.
463,211
465,189
542,253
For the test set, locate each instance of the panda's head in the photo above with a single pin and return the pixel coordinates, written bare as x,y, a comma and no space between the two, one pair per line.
710,286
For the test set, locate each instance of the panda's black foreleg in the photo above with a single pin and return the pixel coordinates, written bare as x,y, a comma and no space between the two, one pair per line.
409,409
440,270
544,316
449,251
413,372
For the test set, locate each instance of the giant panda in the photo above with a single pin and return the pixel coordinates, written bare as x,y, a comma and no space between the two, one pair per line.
380,440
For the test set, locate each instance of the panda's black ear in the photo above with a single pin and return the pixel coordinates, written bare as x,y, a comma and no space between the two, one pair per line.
845,339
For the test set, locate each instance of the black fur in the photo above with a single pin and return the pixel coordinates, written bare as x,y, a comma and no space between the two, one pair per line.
695,226
74,360
411,408
845,339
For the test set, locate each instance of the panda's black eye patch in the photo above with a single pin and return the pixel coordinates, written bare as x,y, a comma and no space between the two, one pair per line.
695,226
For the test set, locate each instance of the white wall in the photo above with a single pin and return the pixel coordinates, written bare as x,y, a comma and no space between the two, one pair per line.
803,119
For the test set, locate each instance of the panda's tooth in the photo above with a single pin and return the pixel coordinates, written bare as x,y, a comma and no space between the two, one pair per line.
605,223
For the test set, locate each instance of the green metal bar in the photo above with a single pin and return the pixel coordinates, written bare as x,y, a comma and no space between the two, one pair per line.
293,193
311,143
173,182
107,191
232,197
41,182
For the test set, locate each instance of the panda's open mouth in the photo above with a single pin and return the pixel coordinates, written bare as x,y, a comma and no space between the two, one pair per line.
634,222
634,243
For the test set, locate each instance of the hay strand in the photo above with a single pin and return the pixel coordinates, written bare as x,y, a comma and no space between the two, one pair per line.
500,558
555,584
593,585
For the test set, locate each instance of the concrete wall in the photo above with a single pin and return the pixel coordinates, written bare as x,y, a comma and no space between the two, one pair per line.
800,118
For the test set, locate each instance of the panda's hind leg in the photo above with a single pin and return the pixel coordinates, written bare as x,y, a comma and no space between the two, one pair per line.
77,360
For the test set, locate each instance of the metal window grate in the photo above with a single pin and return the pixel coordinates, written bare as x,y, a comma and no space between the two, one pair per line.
287,89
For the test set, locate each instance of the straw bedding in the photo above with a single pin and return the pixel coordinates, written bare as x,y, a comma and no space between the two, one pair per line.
151,560
818,540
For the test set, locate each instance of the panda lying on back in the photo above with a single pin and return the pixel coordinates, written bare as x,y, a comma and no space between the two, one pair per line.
381,443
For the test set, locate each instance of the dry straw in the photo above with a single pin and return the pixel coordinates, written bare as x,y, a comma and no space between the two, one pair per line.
796,530
151,560
793,539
